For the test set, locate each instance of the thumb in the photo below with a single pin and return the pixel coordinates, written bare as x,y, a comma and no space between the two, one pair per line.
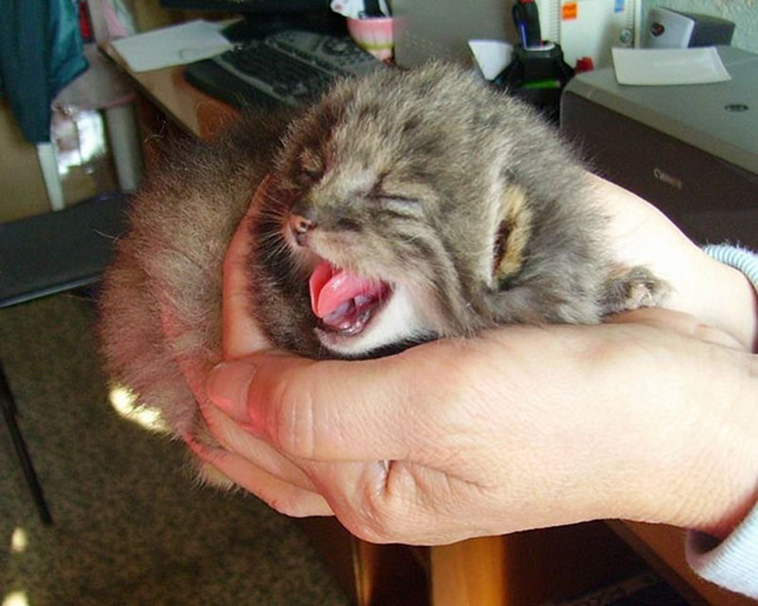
320,410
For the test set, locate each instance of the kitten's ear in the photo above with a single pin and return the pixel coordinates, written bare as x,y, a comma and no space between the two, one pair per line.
512,235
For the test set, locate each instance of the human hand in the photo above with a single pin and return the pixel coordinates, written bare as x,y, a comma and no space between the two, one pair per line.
639,234
509,405
519,428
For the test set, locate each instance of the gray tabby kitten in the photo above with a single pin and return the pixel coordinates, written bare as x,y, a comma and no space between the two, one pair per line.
404,206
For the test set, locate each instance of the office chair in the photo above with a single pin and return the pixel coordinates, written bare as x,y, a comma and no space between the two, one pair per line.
47,254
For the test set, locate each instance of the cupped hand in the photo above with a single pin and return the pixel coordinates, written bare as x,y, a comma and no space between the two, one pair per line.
521,427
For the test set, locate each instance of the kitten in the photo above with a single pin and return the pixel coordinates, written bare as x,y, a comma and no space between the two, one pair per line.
402,207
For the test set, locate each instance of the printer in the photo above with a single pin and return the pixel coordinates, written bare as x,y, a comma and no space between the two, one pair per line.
692,150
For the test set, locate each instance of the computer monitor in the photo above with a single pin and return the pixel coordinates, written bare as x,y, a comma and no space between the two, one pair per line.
265,16
240,6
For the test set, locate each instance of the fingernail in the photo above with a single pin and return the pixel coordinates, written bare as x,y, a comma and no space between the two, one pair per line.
228,385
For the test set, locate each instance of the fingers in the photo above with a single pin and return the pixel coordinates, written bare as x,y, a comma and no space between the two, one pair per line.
241,335
357,492
328,410
245,460
392,408
280,495
235,439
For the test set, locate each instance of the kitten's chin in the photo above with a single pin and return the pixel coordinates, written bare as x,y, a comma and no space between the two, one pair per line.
397,321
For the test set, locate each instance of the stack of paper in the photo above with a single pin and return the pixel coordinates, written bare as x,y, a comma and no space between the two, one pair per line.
667,66
175,45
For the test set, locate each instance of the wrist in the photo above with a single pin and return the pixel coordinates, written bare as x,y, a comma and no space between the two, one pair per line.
708,476
740,268
728,454
719,295
677,445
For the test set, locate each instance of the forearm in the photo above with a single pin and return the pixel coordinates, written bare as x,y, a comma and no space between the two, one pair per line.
717,294
733,299
723,483
737,294
717,493
684,451
733,563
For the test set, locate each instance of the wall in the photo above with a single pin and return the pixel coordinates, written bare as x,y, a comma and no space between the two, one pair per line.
744,13
22,191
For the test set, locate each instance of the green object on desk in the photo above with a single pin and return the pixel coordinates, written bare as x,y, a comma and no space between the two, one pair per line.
540,84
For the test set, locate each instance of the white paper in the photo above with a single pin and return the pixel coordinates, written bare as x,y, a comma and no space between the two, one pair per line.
353,9
491,56
356,9
660,67
176,45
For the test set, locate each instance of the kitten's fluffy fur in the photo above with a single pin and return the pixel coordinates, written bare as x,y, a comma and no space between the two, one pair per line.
460,201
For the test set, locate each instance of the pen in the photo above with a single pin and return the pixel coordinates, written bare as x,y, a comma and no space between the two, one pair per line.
527,20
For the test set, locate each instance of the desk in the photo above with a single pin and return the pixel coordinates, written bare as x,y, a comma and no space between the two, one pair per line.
190,109
524,569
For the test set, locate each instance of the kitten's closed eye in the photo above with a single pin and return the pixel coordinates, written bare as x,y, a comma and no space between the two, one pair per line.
399,198
395,195
394,200
311,167
401,206
307,178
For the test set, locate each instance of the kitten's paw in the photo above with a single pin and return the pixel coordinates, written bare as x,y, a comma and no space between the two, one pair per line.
628,289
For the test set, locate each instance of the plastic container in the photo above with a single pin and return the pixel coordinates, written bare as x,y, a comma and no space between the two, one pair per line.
374,34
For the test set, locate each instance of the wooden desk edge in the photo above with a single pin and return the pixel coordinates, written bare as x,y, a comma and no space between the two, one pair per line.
663,548
194,111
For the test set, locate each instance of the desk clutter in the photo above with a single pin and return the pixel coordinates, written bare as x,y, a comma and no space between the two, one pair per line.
287,68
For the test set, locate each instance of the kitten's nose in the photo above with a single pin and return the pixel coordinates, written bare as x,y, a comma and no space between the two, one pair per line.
300,227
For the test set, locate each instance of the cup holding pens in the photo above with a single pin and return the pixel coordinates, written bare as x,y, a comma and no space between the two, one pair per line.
373,34
537,75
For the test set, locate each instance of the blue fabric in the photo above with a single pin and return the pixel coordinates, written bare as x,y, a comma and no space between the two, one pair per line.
40,52
739,258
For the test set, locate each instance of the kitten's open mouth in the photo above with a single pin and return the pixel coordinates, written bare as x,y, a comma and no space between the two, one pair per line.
343,301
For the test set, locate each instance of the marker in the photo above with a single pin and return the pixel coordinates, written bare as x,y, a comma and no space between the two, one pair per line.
527,19
541,84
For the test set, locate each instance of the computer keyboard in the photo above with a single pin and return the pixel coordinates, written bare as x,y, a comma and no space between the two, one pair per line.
288,68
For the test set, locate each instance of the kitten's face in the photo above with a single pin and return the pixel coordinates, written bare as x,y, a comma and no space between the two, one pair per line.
365,248
374,191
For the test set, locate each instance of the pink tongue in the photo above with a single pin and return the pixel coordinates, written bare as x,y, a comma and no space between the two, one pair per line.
332,287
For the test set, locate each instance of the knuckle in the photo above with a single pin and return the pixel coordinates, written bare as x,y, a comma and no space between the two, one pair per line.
368,526
381,515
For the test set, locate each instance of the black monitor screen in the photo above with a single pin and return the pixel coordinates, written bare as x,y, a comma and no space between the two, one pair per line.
240,6
266,16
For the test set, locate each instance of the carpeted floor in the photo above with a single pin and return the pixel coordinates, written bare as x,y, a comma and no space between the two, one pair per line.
131,527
